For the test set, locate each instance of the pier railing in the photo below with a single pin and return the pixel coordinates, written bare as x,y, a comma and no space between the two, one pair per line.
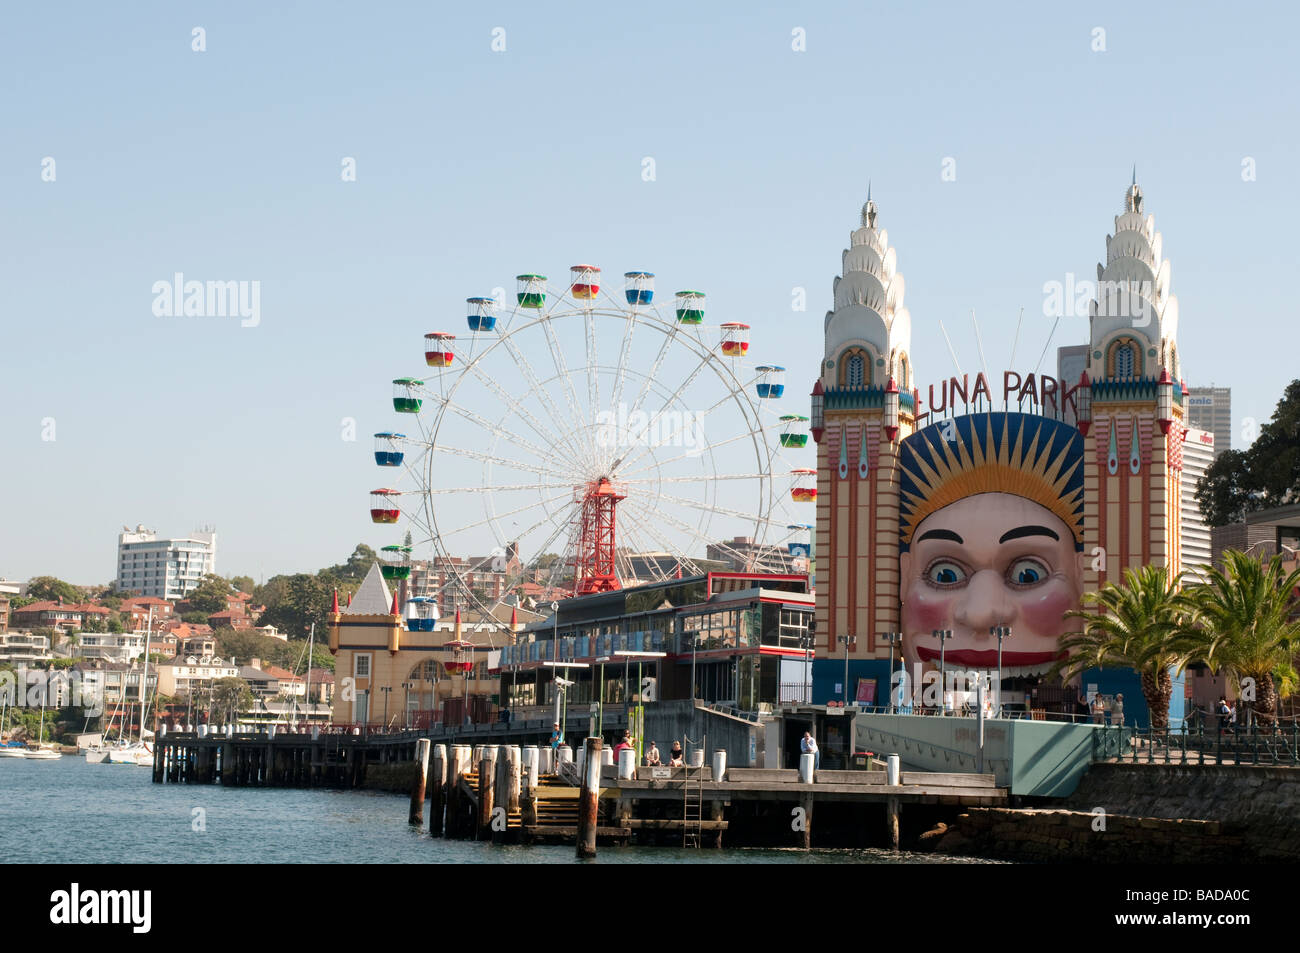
1199,744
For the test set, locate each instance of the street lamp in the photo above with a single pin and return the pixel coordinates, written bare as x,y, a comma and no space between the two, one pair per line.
943,635
640,703
406,700
600,701
847,641
1001,631
562,711
893,638
387,690
806,643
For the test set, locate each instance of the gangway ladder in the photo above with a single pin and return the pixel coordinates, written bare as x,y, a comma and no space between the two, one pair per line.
693,805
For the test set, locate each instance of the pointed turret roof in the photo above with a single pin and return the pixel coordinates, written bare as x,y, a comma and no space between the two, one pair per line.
373,597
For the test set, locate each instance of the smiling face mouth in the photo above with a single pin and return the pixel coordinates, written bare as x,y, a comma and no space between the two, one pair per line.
988,658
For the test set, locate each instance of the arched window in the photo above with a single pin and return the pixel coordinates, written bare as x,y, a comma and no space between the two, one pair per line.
902,372
1124,360
853,373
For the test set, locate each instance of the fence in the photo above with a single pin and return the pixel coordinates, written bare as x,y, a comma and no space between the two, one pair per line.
1198,744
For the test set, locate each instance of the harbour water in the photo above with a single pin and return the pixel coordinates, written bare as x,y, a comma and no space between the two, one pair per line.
70,812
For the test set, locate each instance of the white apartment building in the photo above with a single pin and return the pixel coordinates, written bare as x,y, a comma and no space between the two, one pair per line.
18,647
115,647
164,568
186,675
1198,454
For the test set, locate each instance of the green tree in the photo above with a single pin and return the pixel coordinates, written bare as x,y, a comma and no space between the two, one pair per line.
1247,618
52,588
195,618
356,567
115,623
243,583
305,600
1264,475
211,595
1145,624
230,698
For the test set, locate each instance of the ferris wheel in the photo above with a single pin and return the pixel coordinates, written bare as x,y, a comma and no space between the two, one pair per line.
577,441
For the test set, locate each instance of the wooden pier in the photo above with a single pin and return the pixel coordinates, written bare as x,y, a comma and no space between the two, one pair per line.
512,794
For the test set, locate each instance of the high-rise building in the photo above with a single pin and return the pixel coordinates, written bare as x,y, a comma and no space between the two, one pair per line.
1198,454
163,568
1210,408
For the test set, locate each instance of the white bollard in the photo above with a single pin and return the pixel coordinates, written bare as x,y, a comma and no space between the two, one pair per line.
545,760
806,762
582,759
627,764
697,758
203,730
719,763
270,731
531,762
892,773
315,733
566,754
606,755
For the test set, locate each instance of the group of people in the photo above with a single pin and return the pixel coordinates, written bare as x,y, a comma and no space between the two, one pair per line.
652,756
1226,712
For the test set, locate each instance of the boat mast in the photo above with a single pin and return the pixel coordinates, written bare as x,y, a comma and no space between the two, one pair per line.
144,679
311,642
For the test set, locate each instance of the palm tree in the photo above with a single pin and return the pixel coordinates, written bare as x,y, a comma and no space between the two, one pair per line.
1144,624
1246,614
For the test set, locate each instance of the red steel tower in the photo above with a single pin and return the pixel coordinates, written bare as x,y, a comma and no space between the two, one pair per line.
593,564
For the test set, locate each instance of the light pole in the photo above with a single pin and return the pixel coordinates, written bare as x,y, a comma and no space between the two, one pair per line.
406,700
847,641
640,703
1001,631
387,690
805,642
600,701
943,635
561,710
893,638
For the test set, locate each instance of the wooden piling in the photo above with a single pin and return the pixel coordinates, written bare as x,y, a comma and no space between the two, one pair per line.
418,782
157,763
437,789
805,836
588,798
715,814
893,808
486,781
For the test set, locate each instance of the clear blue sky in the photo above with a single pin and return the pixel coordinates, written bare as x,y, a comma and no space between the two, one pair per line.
474,165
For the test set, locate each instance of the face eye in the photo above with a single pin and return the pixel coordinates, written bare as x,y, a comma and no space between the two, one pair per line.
1027,572
945,572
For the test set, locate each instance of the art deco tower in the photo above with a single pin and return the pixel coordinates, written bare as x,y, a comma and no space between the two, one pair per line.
862,407
1132,406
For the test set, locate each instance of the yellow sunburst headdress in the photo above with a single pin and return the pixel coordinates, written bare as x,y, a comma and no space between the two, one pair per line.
1026,455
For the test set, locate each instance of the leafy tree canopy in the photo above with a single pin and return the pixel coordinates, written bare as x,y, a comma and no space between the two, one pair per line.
1264,475
211,595
243,583
52,588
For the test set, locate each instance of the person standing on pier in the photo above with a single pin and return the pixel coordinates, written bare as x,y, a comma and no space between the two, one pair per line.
555,744
808,745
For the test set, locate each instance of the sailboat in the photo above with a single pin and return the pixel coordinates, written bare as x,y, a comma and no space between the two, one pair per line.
10,749
138,752
41,752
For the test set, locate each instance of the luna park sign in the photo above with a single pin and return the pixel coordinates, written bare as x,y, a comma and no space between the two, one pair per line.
1035,393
